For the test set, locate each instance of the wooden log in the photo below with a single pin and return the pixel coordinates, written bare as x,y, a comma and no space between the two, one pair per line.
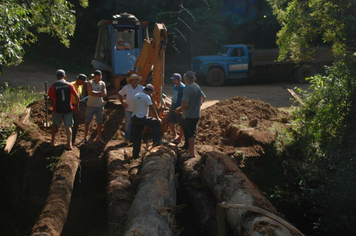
55,211
119,190
152,210
24,118
230,185
199,197
31,132
11,140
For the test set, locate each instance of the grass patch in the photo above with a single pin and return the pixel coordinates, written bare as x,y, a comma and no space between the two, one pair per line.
12,103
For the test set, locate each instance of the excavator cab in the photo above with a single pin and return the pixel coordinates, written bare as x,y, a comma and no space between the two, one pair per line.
139,54
112,60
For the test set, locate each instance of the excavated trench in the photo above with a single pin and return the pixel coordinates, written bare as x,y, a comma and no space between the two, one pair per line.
26,182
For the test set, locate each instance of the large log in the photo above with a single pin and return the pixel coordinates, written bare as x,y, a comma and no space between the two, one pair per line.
152,210
230,185
199,197
55,211
120,188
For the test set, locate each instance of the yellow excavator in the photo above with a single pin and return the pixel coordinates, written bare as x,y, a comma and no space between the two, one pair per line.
150,63
141,55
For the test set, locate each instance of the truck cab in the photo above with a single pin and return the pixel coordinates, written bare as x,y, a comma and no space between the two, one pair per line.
231,62
114,62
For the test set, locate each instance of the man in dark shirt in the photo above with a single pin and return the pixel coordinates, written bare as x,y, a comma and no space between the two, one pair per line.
60,92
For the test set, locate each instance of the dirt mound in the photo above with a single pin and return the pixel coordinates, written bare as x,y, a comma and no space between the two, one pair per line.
239,124
232,126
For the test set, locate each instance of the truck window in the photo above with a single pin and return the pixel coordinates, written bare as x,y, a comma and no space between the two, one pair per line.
223,51
237,52
102,51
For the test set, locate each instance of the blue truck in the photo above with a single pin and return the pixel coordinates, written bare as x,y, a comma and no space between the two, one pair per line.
239,61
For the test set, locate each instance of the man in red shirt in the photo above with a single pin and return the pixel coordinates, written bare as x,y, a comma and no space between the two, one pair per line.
60,92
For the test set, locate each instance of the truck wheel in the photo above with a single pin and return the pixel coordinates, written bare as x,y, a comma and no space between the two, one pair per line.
304,72
215,77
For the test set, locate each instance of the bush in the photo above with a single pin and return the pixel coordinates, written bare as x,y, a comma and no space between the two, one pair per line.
324,151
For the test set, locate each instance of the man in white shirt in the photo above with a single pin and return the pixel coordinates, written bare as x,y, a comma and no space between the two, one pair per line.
129,91
142,104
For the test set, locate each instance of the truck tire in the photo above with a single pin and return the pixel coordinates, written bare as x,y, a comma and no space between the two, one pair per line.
304,72
215,77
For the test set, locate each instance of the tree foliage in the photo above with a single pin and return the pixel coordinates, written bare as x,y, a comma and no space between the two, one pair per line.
21,21
307,23
324,152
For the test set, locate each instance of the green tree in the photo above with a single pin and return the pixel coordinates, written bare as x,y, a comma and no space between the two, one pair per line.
307,23
324,150
22,21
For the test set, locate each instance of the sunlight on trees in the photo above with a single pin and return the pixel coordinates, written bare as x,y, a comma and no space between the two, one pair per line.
21,21
314,22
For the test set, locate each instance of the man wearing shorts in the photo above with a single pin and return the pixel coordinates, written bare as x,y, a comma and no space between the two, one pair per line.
60,92
192,99
174,118
95,105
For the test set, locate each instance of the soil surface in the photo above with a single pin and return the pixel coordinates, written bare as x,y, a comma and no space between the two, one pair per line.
237,119
235,105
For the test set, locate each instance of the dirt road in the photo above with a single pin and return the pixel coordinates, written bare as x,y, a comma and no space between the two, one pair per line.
32,74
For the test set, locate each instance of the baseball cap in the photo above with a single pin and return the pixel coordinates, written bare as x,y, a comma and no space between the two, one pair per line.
96,72
60,73
82,77
176,76
190,75
149,87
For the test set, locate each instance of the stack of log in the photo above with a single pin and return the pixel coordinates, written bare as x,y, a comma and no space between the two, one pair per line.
144,204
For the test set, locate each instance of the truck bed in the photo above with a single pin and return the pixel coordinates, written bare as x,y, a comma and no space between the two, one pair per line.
263,57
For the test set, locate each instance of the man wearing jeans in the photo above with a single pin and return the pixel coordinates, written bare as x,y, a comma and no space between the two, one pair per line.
129,91
142,104
192,99
78,85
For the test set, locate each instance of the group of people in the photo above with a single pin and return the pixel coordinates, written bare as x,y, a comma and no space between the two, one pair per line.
184,111
140,112
66,99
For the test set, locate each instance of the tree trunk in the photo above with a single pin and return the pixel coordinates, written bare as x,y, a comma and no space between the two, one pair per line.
11,140
31,131
119,190
230,185
55,211
152,211
200,198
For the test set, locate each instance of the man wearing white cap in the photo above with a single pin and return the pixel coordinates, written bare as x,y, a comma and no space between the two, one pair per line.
129,91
